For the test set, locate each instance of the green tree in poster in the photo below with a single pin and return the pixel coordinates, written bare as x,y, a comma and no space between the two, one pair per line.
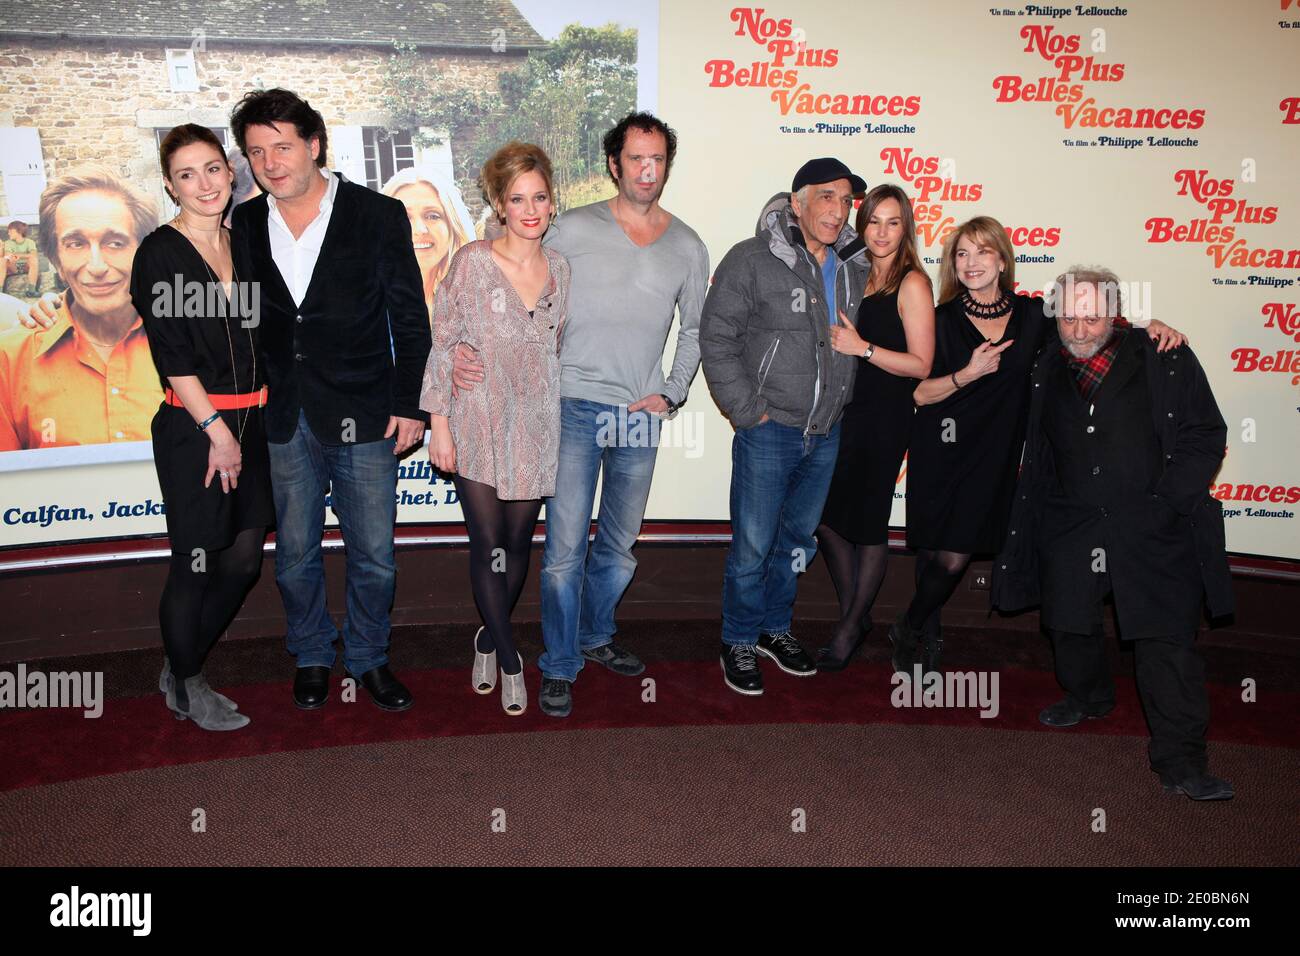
563,98
417,94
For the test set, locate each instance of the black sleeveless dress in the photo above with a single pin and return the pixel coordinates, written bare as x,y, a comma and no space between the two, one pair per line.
874,433
200,345
965,453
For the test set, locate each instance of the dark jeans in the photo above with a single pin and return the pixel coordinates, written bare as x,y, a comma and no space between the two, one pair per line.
362,479
1170,681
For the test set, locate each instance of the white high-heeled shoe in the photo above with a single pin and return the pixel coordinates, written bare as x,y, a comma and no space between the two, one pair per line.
514,692
484,676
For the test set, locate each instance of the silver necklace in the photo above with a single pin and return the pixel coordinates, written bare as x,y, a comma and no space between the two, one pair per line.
230,342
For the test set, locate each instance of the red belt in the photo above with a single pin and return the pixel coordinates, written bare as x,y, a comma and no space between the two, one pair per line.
225,403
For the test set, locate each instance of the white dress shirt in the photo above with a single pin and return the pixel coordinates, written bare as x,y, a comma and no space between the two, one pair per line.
296,258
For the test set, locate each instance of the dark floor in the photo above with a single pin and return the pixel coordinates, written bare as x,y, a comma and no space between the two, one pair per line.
864,795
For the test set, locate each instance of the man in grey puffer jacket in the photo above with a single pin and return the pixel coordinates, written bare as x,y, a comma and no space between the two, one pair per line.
765,343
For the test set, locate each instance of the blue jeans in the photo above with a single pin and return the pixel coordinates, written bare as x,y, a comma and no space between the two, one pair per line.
364,482
581,590
779,481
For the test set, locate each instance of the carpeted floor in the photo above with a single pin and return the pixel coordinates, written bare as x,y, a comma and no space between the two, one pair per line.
696,775
873,794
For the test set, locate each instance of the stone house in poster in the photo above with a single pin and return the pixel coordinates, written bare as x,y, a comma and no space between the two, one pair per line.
102,80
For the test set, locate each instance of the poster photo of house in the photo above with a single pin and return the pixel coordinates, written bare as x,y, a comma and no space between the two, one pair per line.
415,94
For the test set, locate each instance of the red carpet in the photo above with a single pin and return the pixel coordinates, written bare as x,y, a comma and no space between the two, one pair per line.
135,733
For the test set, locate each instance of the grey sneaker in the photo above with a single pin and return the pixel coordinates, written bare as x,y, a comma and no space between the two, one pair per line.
618,659
556,697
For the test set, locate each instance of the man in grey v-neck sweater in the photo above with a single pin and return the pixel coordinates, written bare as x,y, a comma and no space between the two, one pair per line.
621,303
622,298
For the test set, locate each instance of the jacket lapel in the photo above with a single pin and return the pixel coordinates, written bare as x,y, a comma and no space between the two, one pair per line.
1125,366
341,224
260,250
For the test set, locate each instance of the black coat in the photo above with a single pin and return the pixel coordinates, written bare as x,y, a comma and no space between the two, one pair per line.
354,352
1160,547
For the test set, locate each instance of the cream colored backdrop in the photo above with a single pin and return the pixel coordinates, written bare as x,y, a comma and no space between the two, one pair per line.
1017,161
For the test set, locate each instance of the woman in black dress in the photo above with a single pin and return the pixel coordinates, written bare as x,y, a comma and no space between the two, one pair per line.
894,337
970,424
208,440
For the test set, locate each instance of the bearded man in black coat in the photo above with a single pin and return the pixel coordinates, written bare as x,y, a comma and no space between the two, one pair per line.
1113,501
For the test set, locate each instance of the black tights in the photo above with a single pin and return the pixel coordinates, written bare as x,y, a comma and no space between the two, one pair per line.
856,571
202,594
937,575
500,542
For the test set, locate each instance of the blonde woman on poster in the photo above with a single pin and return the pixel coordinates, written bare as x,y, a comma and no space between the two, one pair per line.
440,223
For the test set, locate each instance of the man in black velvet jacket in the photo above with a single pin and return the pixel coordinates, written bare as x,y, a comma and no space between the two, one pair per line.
1122,445
345,336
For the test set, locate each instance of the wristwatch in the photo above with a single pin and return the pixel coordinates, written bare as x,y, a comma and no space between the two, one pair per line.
672,406
871,350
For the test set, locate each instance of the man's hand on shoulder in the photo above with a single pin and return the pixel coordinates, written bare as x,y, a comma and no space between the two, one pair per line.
42,313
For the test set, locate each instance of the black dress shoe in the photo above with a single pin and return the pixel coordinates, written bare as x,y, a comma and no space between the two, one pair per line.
1066,713
1199,786
311,687
385,689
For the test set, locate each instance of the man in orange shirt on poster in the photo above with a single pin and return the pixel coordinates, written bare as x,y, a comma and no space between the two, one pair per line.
87,377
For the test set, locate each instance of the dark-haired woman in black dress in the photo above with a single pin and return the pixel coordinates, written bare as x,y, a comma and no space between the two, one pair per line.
970,424
208,440
894,337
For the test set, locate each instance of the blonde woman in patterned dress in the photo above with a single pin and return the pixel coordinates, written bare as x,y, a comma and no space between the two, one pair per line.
506,299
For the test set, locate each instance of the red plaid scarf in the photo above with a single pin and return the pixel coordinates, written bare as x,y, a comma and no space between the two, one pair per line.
1089,373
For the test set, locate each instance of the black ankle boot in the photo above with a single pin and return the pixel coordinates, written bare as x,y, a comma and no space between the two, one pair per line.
931,647
905,642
